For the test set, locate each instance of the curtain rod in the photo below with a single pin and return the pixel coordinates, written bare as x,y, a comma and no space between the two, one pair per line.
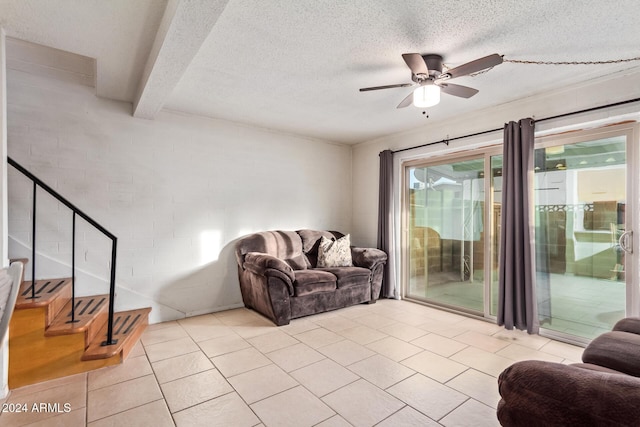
446,141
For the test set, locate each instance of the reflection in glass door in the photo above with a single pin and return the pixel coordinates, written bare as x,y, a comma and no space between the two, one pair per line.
445,240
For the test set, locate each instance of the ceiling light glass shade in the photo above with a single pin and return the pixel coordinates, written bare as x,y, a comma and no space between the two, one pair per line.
426,96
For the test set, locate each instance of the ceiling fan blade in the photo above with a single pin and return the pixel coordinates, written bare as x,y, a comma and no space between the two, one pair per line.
457,90
475,66
365,89
416,63
407,101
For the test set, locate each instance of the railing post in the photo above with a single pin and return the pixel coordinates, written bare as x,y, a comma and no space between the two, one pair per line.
73,270
33,244
112,294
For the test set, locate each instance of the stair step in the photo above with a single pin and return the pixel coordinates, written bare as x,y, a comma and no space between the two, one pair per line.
91,311
127,329
47,290
51,295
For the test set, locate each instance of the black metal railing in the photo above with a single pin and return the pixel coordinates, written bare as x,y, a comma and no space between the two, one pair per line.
76,212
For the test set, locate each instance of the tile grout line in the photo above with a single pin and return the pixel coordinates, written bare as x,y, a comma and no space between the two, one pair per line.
121,382
205,401
458,406
164,398
406,405
128,409
223,376
86,403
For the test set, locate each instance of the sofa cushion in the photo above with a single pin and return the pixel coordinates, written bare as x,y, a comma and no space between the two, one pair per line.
311,241
299,262
280,244
312,281
349,276
615,350
334,253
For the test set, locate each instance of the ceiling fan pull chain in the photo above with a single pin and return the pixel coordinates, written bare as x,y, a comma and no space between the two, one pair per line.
610,61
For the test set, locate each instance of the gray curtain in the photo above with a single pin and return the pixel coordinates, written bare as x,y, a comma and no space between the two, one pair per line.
386,222
517,297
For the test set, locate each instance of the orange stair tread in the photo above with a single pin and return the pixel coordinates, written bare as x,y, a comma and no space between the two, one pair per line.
47,290
87,311
127,328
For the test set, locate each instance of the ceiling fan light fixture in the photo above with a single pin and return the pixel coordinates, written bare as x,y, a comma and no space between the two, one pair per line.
426,96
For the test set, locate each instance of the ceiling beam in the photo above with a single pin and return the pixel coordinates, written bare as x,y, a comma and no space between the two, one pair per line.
184,27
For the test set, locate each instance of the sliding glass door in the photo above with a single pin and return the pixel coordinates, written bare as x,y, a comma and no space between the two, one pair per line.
581,222
583,189
446,210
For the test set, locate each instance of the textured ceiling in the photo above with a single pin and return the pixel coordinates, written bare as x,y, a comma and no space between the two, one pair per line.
118,34
297,66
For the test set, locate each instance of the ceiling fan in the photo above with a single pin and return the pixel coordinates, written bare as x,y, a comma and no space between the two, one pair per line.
426,73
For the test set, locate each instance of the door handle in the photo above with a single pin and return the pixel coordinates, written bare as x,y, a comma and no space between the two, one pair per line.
626,241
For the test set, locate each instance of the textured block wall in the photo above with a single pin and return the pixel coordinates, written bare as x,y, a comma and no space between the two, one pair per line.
177,191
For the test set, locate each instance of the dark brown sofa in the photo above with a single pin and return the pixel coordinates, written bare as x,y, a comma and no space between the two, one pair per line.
279,278
604,390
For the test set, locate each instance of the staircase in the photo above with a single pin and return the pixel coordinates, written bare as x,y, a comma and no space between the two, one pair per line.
53,333
44,344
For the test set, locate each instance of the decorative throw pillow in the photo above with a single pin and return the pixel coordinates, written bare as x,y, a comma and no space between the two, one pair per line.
335,253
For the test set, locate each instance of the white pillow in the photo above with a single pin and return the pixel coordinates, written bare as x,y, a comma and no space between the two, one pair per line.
335,253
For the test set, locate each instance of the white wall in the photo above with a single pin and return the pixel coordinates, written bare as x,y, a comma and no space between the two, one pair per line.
177,191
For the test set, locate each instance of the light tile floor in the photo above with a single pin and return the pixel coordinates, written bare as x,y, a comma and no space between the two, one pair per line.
393,363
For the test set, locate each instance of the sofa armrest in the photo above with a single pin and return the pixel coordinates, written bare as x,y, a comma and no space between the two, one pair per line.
628,324
270,266
615,350
367,257
537,393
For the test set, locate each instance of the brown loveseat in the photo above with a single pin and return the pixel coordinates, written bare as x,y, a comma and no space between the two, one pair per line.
279,277
602,391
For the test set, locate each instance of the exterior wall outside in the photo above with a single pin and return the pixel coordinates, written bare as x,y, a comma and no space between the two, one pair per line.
177,191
